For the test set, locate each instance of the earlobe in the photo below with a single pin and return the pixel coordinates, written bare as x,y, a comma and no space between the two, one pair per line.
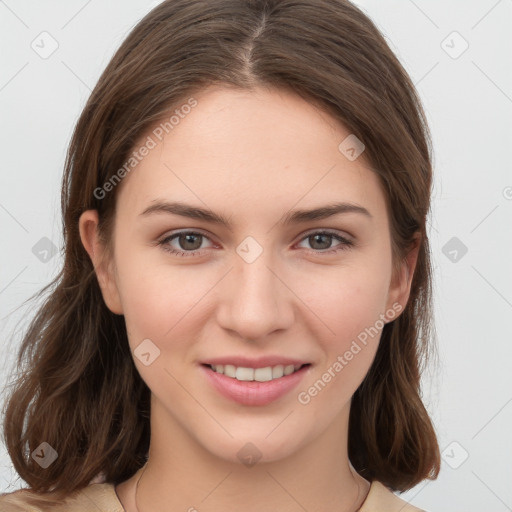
103,267
400,288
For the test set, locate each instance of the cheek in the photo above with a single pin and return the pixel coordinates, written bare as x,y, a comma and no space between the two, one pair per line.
161,304
159,300
350,306
353,315
346,301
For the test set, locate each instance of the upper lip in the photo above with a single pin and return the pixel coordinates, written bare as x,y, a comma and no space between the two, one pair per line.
258,362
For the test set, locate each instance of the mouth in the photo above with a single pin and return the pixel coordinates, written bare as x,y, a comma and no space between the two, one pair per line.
254,386
265,374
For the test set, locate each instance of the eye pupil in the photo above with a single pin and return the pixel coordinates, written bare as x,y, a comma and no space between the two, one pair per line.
186,238
321,235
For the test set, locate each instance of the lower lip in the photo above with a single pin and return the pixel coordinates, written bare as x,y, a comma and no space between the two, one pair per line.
253,392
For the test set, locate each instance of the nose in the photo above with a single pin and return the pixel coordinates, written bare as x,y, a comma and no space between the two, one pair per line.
255,299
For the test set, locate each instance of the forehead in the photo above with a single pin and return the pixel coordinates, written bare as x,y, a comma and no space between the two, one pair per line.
249,151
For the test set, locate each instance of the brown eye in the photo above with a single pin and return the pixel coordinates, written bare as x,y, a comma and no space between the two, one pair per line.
189,241
186,243
321,241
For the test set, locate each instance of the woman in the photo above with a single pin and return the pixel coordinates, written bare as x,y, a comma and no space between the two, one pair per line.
275,362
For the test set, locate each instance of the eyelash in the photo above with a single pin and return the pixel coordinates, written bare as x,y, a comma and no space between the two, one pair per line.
344,245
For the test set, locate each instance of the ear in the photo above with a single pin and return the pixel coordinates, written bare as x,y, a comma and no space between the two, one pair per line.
400,287
104,268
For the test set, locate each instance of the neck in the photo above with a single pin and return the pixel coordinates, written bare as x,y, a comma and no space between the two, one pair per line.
182,475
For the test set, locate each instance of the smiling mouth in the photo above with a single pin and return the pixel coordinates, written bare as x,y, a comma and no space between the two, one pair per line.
265,374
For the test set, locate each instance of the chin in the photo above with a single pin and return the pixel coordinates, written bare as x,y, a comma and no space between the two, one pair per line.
253,446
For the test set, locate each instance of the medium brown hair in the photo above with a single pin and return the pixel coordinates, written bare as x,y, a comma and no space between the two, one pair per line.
77,387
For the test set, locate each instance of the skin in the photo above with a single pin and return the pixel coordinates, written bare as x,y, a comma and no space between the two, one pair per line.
253,157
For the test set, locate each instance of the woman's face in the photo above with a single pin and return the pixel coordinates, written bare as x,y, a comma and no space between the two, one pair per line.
270,287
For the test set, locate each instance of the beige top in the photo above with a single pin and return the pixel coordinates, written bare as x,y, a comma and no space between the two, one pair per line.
102,497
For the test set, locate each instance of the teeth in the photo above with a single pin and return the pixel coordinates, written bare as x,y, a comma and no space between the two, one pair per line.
255,374
244,373
229,370
277,371
288,369
263,374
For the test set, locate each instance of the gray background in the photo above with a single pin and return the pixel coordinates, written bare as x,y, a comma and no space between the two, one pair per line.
467,94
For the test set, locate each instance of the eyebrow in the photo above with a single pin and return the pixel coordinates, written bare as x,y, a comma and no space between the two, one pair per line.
292,217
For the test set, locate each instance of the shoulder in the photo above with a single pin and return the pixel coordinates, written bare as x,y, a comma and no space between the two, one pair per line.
381,499
97,497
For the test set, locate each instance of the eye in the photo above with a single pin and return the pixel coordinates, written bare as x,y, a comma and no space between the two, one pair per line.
321,242
189,243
